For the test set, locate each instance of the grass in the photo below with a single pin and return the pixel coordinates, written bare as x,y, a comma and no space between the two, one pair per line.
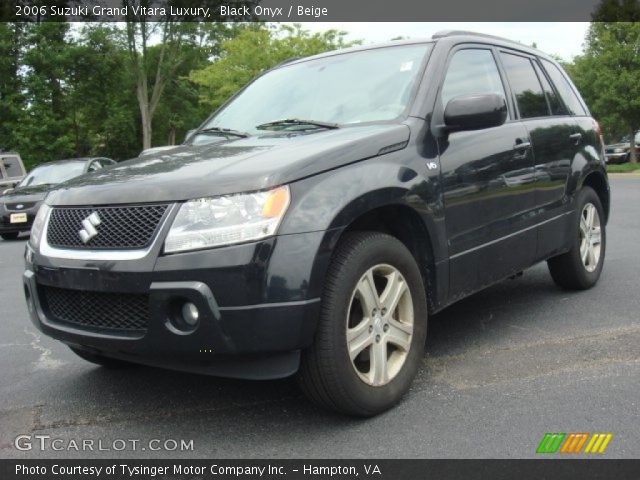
624,168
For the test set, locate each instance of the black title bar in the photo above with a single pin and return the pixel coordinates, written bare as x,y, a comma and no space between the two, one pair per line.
131,469
298,10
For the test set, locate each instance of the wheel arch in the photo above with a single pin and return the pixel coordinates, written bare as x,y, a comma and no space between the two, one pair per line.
599,183
405,224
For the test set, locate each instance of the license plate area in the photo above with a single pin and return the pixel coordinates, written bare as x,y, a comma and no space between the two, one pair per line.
18,218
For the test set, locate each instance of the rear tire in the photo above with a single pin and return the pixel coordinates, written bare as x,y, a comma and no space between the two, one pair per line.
580,267
9,236
110,363
372,329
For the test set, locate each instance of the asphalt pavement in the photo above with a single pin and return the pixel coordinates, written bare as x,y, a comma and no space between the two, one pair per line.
501,369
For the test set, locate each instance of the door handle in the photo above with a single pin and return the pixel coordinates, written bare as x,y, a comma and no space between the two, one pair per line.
576,137
520,148
522,145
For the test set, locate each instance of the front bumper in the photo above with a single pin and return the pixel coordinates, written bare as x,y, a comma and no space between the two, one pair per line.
615,157
5,220
258,304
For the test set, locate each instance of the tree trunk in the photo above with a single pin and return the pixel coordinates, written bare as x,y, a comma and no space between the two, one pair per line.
172,136
146,126
633,158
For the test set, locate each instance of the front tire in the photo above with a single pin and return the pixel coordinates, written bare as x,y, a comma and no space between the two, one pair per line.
580,267
372,329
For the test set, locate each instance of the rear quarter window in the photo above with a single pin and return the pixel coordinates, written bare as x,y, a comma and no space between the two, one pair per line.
564,88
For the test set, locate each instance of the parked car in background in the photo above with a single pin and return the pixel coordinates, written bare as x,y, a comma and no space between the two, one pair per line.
12,170
19,205
620,152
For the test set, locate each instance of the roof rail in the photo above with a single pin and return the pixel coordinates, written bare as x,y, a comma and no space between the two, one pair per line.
451,33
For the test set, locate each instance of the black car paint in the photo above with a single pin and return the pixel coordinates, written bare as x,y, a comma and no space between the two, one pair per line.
480,210
230,166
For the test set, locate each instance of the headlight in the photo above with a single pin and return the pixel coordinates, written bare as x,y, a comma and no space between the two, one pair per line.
38,226
216,221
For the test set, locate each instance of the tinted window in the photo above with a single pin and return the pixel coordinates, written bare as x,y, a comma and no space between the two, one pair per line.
564,89
525,86
471,71
12,167
557,108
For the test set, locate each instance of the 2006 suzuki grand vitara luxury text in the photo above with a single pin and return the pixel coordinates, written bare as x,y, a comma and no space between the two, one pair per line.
315,220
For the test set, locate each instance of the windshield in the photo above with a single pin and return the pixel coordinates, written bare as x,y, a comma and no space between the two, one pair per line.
362,86
52,174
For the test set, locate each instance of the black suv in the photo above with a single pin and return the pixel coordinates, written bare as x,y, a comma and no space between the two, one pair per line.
314,221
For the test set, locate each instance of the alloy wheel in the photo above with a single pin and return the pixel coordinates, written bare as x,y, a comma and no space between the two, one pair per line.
590,237
380,323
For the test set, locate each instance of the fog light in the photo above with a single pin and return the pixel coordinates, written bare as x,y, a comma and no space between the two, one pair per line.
190,314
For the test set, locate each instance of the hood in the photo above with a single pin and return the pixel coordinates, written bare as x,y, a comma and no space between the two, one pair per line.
35,193
229,166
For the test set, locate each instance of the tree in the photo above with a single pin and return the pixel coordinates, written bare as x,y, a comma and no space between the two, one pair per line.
608,74
47,131
102,94
155,65
617,11
255,49
12,101
180,109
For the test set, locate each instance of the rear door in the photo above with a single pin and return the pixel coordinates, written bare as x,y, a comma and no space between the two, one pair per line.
488,181
556,139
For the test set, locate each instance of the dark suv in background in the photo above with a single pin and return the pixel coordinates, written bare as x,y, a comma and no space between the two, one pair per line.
19,205
314,222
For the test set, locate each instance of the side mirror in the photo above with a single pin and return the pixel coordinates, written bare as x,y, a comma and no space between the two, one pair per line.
189,133
475,112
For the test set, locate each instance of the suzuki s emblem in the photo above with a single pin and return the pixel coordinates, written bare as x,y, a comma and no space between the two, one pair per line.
19,206
89,231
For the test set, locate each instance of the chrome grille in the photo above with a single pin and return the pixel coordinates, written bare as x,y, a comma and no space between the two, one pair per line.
126,227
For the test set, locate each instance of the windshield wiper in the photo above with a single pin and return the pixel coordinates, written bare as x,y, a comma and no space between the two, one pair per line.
294,122
224,131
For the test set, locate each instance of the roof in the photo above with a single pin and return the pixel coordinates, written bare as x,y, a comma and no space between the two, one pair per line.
453,36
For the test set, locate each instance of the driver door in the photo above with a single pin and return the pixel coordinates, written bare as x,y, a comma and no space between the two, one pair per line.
488,182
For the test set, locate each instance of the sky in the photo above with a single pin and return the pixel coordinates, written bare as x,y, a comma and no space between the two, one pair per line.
554,38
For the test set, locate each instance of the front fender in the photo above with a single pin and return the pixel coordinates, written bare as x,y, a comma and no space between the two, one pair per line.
333,200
